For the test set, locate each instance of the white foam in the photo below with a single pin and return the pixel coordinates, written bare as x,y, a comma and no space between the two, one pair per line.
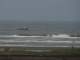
27,36
18,36
48,41
53,35
61,36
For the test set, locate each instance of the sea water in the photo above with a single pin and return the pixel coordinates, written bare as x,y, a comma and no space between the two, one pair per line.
9,35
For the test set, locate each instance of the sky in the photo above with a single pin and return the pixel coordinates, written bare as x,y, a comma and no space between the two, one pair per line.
38,9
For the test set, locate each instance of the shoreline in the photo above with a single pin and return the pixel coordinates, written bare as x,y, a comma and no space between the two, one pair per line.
37,51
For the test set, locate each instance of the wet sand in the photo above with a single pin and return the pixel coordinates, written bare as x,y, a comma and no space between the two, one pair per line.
54,54
37,58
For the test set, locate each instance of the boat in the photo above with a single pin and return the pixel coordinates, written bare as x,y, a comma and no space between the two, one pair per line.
24,28
26,32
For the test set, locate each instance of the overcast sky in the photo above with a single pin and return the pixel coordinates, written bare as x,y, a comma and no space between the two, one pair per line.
36,9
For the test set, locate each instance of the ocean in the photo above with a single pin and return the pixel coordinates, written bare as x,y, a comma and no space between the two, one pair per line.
9,35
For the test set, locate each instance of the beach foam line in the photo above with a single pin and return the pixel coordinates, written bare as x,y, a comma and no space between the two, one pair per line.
13,45
36,41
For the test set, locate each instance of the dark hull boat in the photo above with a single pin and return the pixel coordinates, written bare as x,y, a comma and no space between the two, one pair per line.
26,32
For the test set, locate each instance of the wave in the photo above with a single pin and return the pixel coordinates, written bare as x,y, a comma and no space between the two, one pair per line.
19,36
53,35
28,36
61,35
40,41
48,35
66,35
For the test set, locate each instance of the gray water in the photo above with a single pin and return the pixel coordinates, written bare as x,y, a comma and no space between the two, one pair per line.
8,34
38,41
9,26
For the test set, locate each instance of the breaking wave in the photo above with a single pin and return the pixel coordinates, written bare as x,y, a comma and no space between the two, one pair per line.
19,36
61,35
48,35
